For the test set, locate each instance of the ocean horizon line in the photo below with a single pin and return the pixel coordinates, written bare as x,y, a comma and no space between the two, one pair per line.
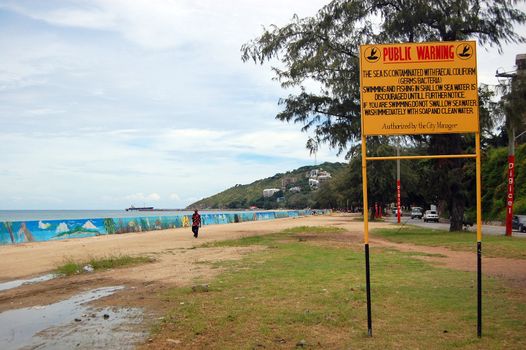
59,214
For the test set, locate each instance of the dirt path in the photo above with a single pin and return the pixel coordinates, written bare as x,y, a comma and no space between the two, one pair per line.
512,270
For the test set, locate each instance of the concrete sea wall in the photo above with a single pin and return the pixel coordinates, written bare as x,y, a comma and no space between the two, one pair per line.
13,232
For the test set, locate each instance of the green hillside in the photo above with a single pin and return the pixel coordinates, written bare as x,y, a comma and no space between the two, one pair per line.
245,196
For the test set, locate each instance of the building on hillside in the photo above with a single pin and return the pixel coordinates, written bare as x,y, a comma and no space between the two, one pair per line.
295,189
287,181
317,176
269,192
314,184
324,176
312,174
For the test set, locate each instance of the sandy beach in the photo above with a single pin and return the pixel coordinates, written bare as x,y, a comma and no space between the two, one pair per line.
29,259
174,249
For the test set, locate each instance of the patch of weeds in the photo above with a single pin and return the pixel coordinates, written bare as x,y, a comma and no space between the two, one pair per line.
241,242
273,240
69,268
118,261
73,267
312,230
431,255
360,219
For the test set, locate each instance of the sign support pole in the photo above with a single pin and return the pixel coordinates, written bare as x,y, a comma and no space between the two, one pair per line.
398,203
479,239
366,237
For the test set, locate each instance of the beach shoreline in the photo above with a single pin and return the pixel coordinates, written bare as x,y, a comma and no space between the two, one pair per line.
35,258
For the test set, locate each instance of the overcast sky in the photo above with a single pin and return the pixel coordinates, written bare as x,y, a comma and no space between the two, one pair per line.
108,103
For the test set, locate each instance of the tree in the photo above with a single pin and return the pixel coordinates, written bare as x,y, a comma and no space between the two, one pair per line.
325,48
419,180
513,102
299,201
491,118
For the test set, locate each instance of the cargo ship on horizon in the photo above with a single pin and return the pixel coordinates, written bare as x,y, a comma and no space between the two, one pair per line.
132,208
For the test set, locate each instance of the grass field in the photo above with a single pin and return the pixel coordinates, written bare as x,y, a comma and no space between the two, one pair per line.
492,246
299,293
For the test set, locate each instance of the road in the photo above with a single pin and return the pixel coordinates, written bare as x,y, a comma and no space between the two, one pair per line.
486,229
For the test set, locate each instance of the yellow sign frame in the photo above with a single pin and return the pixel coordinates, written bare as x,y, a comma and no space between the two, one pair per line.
470,125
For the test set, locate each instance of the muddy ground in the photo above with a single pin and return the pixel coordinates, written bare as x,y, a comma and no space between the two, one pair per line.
179,262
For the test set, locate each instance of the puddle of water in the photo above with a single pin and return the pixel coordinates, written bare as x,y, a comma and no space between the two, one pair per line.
71,324
18,283
121,329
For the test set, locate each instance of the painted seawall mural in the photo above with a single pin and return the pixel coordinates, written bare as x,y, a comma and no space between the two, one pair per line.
48,230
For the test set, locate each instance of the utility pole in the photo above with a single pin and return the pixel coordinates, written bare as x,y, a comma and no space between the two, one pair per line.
520,61
510,196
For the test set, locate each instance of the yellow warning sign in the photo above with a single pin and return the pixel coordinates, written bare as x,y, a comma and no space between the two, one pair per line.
419,88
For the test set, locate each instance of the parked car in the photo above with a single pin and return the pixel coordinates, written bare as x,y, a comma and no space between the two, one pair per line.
416,212
519,223
430,215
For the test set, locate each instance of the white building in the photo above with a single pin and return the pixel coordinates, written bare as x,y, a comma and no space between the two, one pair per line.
269,192
314,184
295,189
324,176
317,176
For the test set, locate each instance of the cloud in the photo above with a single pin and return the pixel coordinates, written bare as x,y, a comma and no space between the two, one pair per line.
92,18
95,167
153,197
167,110
163,24
107,102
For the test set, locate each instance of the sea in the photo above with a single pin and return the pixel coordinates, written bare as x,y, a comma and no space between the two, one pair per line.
33,215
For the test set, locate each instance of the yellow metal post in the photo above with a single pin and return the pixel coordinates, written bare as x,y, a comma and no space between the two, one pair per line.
479,191
364,188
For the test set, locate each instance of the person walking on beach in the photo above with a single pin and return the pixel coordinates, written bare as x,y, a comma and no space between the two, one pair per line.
196,223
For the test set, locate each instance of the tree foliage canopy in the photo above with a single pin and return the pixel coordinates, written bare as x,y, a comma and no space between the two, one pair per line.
324,49
513,102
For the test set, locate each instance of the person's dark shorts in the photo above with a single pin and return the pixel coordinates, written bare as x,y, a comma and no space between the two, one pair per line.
195,230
